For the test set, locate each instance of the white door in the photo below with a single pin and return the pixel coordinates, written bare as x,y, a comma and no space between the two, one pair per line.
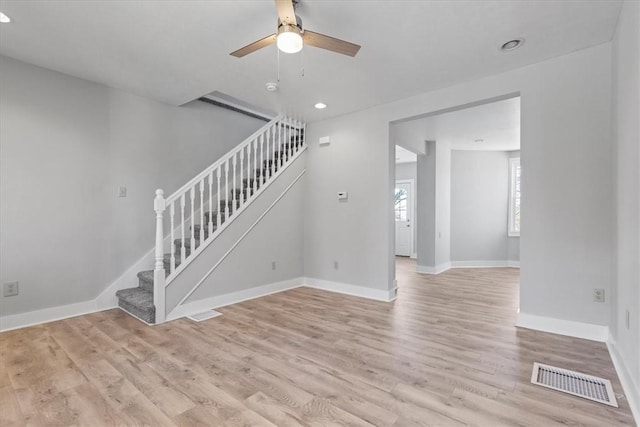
403,208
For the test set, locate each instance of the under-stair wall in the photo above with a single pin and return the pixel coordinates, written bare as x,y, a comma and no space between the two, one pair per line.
270,230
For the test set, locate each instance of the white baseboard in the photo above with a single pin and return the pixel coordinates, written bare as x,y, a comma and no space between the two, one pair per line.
348,289
414,255
233,298
629,385
587,331
426,269
483,264
46,315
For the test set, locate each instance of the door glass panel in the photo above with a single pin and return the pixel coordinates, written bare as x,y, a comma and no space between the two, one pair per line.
401,204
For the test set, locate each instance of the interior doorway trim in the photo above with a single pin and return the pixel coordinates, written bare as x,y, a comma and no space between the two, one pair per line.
411,181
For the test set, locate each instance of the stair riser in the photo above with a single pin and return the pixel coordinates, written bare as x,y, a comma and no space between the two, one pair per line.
147,316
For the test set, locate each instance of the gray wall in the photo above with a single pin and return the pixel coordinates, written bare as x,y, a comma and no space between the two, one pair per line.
66,145
513,242
443,204
350,232
479,205
566,238
625,293
426,207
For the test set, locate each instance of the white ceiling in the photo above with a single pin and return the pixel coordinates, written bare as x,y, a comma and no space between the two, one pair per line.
497,124
176,51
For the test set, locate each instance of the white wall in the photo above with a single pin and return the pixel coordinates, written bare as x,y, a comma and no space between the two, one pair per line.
566,236
65,146
479,205
625,293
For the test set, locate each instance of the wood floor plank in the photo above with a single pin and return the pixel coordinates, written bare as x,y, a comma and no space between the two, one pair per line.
445,352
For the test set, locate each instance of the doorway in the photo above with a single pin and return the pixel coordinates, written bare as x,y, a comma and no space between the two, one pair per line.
403,211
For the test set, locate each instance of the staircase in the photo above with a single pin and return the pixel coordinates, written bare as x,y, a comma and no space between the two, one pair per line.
201,210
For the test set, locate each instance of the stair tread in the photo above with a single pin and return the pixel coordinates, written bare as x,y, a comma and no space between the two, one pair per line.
136,297
146,276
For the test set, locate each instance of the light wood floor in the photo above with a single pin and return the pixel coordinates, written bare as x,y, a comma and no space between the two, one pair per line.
444,353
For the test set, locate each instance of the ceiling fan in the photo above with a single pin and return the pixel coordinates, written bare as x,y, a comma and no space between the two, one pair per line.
291,37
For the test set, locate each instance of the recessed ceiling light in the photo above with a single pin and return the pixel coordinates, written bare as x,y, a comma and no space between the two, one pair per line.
4,18
320,105
512,45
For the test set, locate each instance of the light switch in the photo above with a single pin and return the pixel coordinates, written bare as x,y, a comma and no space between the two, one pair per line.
325,140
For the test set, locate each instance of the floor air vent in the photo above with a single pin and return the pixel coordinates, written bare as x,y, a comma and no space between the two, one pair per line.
575,383
209,314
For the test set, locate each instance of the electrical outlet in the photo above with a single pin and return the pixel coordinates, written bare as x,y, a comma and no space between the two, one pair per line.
10,289
598,295
336,265
122,191
273,265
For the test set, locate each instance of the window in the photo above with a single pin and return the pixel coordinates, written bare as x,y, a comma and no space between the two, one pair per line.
401,204
514,196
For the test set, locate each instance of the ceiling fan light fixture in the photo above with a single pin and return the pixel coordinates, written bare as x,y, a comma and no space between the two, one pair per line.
289,39
320,105
4,19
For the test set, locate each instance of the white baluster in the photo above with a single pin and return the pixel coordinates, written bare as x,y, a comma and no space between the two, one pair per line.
279,125
233,191
249,186
262,158
202,211
226,180
273,150
172,262
193,216
210,203
255,165
218,222
159,205
182,248
290,139
298,140
242,194
265,164
304,133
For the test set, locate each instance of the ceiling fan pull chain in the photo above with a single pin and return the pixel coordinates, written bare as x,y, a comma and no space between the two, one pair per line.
278,50
302,62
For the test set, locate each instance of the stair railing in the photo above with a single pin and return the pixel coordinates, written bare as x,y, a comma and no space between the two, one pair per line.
239,174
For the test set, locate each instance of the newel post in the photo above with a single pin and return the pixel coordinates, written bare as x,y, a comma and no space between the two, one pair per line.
159,205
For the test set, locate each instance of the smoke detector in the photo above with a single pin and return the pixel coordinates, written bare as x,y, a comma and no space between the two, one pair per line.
272,87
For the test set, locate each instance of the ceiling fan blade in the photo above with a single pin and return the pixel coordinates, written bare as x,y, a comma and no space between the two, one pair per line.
329,43
286,13
250,48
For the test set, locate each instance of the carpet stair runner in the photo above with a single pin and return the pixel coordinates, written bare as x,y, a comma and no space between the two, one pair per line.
138,301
